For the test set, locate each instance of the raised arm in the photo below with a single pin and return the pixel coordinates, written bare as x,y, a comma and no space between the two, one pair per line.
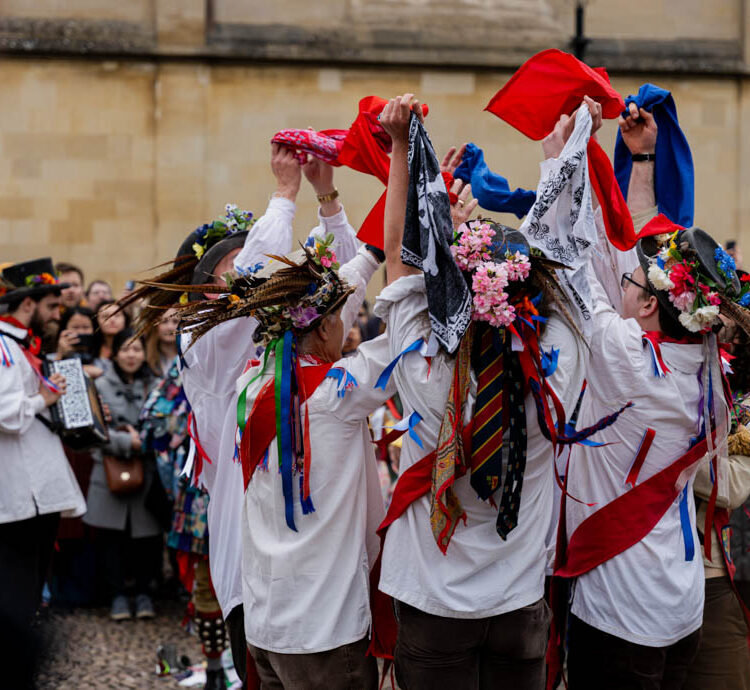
331,215
395,120
639,133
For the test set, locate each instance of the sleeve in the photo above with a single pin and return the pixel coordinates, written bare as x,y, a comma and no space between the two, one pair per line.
616,353
422,383
357,273
365,366
737,468
346,243
118,444
17,410
271,234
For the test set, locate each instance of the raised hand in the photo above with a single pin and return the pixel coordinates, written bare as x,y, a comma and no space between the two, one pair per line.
286,170
394,118
452,159
638,130
463,208
319,174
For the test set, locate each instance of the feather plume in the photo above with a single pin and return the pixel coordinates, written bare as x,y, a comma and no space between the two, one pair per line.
734,311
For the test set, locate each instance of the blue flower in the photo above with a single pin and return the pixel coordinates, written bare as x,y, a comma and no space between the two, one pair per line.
744,301
310,241
725,263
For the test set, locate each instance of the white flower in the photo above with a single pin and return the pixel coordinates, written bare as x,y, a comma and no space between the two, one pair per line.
684,301
658,278
700,319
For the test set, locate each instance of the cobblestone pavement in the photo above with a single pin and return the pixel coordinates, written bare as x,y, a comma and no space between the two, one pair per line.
88,651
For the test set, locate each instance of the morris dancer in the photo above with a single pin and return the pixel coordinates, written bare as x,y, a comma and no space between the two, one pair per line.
638,598
38,485
309,527
470,603
211,367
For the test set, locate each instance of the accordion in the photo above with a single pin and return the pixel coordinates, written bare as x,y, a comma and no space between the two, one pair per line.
78,416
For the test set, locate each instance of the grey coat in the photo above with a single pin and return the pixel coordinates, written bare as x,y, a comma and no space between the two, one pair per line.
106,509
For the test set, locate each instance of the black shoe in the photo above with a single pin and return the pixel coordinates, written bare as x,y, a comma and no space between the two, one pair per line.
215,679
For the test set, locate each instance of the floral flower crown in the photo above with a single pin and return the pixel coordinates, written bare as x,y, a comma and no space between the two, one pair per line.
472,250
235,220
288,293
697,297
41,279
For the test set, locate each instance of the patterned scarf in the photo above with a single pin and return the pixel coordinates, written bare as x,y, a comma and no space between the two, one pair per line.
449,464
428,234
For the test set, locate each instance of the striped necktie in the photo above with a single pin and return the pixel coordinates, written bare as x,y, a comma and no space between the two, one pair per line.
487,435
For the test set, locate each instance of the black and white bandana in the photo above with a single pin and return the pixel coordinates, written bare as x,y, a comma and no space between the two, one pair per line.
428,234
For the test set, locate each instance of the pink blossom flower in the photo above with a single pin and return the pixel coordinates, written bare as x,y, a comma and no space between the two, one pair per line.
683,301
326,261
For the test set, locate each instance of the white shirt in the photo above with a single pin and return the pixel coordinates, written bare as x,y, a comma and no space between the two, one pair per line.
36,476
648,594
214,364
308,591
481,575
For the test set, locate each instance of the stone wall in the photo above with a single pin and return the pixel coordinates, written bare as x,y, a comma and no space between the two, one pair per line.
124,125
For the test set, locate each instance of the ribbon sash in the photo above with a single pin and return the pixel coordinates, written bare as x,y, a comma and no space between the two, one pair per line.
260,429
625,521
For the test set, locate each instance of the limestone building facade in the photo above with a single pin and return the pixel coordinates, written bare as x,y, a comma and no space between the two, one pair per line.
124,125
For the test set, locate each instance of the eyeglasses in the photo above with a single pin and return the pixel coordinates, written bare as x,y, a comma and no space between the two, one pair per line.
628,278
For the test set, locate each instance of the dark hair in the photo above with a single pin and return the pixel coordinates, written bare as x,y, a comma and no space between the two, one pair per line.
68,314
98,335
13,304
668,320
124,337
64,267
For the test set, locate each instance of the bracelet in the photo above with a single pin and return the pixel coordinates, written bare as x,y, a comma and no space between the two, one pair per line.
640,157
325,198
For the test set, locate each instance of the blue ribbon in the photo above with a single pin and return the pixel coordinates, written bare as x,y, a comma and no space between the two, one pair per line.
183,363
284,426
549,361
383,379
307,504
687,528
344,378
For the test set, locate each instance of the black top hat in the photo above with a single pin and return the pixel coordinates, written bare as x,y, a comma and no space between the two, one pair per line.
204,271
507,240
30,278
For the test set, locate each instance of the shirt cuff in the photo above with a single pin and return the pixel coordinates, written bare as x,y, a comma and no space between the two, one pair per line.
281,203
37,403
338,221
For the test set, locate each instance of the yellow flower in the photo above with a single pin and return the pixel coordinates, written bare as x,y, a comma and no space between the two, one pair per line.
198,249
184,298
234,300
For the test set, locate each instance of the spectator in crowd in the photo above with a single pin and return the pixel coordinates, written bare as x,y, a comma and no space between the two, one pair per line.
71,296
164,430
97,292
77,338
128,533
352,341
734,251
109,322
37,484
161,344
369,324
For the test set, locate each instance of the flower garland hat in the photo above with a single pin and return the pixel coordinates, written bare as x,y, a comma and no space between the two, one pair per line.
291,293
29,278
692,276
197,257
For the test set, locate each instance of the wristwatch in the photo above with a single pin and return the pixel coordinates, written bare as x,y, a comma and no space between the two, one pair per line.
325,198
639,157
